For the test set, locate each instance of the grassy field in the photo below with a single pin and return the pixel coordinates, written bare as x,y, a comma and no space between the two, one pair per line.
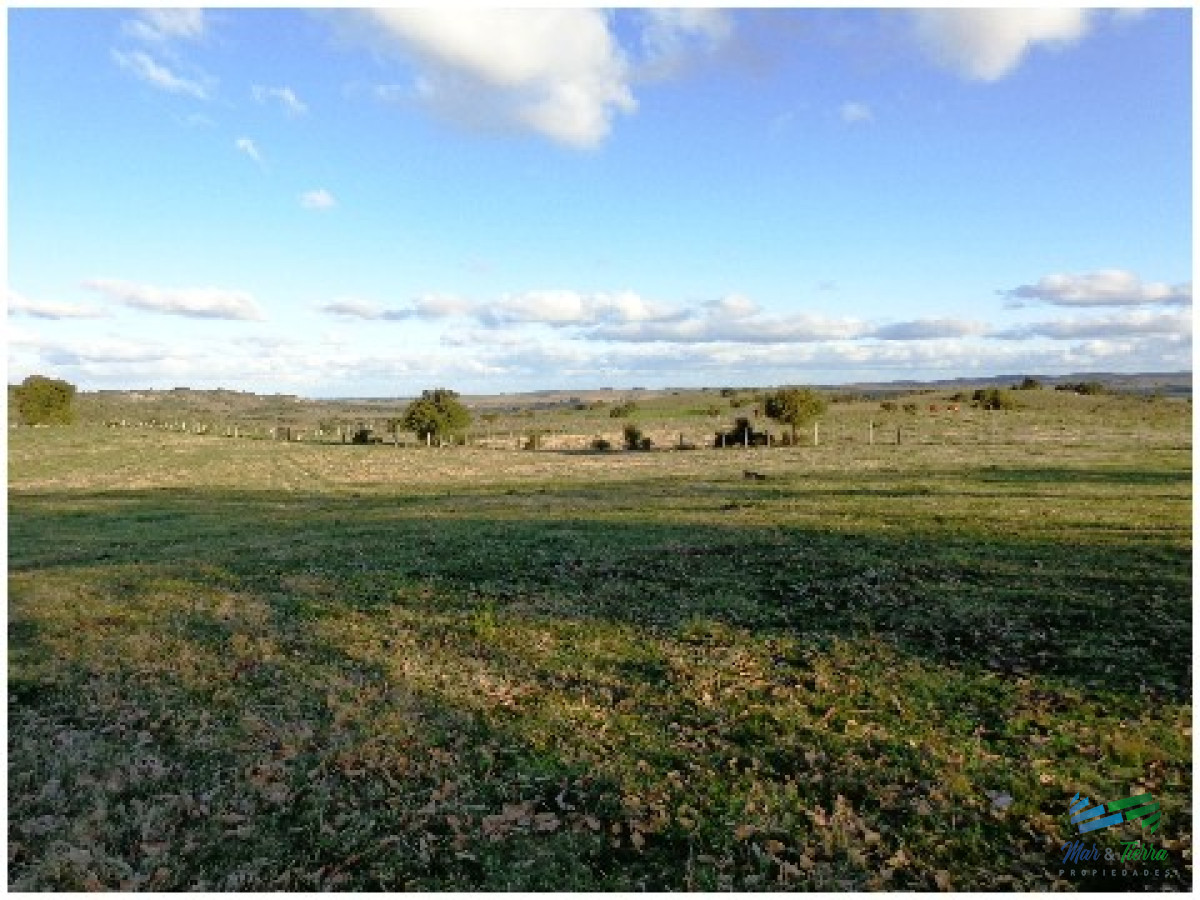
250,665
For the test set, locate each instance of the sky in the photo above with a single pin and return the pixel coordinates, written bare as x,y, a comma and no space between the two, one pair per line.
353,203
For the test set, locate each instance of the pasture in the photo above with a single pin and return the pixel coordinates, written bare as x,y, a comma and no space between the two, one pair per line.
239,664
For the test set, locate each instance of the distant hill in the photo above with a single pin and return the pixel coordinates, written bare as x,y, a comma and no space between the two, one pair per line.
181,403
1170,384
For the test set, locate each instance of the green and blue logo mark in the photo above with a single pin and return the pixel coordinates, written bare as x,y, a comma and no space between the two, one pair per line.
1104,814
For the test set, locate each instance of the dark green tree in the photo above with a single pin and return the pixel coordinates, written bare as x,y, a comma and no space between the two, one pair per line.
45,401
437,413
794,407
995,398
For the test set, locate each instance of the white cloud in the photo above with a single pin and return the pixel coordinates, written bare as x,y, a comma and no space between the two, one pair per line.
167,24
566,307
440,306
353,308
318,199
734,306
1121,325
670,37
284,96
853,113
559,72
147,69
429,306
197,303
928,329
247,146
553,307
1106,287
987,44
51,309
713,325
627,317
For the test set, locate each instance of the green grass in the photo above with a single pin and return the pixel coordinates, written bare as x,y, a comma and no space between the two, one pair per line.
242,665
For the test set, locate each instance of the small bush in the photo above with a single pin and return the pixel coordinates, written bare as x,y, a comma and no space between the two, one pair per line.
623,411
633,438
887,406
601,444
742,434
995,398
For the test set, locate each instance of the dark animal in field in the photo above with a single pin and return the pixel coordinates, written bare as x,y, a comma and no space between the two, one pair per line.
753,476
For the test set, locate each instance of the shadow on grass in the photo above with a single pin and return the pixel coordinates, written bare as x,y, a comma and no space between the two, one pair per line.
1049,607
319,691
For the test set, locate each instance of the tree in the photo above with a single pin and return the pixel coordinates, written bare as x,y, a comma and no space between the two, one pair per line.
436,413
795,407
995,398
45,401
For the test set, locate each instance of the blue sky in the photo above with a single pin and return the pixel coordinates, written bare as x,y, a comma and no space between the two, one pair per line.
369,203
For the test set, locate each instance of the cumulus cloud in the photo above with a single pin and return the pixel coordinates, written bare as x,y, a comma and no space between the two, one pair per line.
1107,287
284,96
167,24
987,44
102,351
196,303
145,67
713,324
558,72
853,113
566,307
440,306
428,306
627,317
51,309
318,199
733,306
670,37
1121,325
552,308
353,308
928,329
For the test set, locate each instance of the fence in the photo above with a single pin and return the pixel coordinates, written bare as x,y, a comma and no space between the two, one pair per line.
948,426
